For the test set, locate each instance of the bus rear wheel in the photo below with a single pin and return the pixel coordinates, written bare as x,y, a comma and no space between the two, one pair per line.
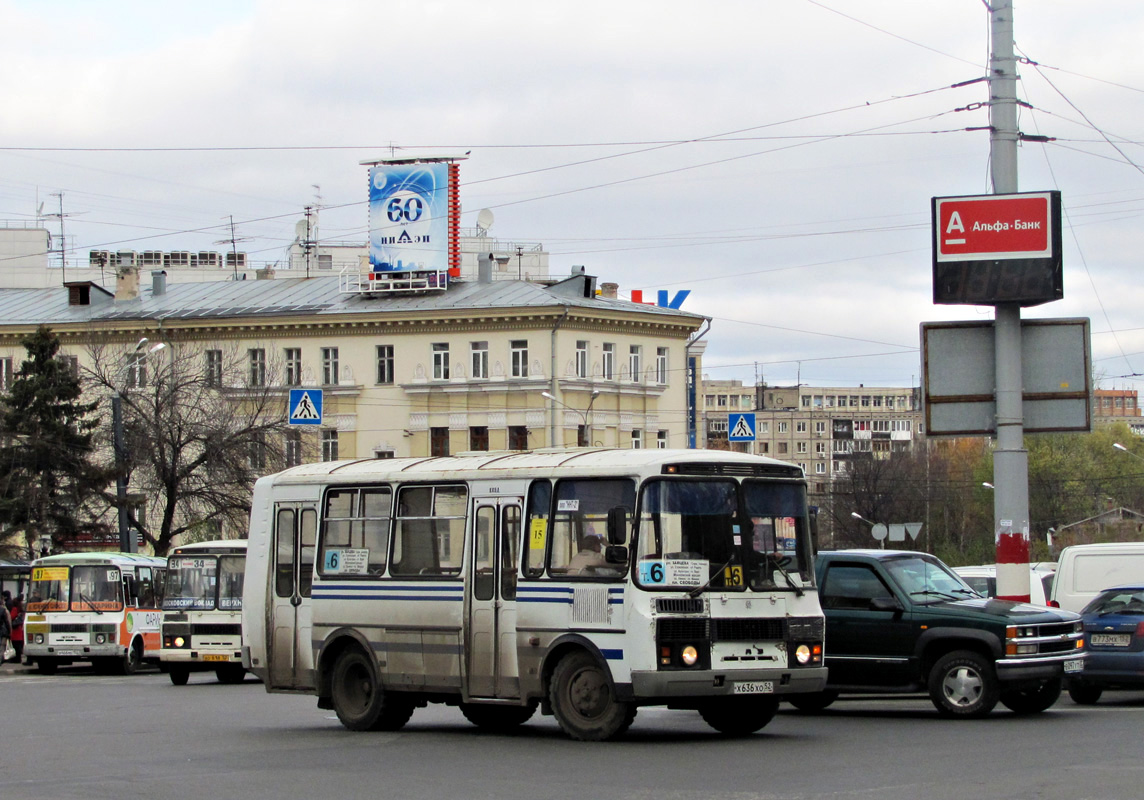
47,666
739,716
178,675
359,699
582,700
499,719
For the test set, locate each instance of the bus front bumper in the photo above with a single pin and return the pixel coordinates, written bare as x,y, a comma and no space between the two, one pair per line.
718,683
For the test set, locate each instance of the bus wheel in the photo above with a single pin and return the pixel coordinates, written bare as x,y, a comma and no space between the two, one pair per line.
231,673
178,675
359,699
739,716
582,700
499,719
132,660
46,666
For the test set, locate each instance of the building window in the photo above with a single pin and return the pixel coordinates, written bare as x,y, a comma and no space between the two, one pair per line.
518,349
256,453
293,366
634,368
438,441
329,444
71,365
581,359
440,362
865,401
734,400
293,450
329,366
661,440
782,448
877,401
213,374
637,439
820,448
480,353
764,447
608,362
782,427
661,365
5,374
763,427
257,366
708,400
806,401
800,427
820,468
479,437
384,454
136,370
385,364
800,447
517,437
820,427
721,401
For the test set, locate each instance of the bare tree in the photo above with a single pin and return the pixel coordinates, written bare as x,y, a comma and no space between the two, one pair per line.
199,430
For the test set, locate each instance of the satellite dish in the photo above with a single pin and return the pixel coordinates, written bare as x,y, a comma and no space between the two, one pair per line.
301,228
484,219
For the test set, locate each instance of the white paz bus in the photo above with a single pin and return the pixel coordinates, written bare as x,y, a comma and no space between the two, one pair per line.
98,607
584,582
202,611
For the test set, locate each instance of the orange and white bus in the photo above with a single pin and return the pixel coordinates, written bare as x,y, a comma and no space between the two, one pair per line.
202,611
98,607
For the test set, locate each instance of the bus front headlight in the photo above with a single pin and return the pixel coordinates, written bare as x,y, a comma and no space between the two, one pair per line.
100,638
802,654
689,655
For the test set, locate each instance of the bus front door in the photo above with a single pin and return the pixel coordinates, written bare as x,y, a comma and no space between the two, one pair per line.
291,650
492,667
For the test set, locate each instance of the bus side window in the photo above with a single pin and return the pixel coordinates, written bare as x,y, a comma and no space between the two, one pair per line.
429,531
143,585
306,556
284,553
536,528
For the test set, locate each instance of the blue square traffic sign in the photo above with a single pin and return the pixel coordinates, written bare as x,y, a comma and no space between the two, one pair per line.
305,407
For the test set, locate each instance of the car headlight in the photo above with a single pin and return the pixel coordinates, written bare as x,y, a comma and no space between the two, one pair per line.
689,655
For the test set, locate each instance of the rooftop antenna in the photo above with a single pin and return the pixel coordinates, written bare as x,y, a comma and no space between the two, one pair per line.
60,215
484,221
233,241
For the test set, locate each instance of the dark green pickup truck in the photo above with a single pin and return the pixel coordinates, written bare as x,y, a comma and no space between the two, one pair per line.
899,621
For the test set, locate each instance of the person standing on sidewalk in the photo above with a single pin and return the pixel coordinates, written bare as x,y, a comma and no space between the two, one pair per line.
5,629
17,615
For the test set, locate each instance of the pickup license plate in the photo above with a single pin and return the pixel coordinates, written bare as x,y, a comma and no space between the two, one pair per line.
1076,665
753,687
67,652
216,658
1112,639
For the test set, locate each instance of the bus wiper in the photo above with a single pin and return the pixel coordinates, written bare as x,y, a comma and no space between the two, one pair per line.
789,579
84,599
698,590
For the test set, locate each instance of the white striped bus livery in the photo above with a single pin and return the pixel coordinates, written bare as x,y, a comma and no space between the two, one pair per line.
586,582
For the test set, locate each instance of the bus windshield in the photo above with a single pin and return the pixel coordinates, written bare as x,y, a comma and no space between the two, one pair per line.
49,590
191,583
96,588
696,534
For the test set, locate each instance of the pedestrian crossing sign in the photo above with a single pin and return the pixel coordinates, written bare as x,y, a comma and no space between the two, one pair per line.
740,427
305,407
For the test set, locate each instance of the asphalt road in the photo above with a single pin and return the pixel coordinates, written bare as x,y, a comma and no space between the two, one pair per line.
82,735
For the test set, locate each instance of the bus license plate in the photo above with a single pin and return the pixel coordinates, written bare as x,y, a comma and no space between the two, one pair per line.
216,658
67,652
1076,665
753,687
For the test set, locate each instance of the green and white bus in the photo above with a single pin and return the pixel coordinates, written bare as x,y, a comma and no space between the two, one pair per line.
584,582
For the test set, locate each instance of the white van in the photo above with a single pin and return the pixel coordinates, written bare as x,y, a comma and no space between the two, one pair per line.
1083,570
983,579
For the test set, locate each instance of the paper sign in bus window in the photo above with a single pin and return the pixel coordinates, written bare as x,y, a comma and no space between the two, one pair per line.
537,534
347,561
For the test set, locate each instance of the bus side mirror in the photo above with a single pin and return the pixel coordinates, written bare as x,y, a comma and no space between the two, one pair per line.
617,525
616,554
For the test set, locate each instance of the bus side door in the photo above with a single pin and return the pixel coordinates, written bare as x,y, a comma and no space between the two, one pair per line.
291,620
492,667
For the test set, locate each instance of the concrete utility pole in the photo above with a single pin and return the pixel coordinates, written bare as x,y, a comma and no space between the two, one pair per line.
1010,458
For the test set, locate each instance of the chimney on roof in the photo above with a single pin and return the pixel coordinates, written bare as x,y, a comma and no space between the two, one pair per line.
126,282
266,274
158,282
485,268
610,291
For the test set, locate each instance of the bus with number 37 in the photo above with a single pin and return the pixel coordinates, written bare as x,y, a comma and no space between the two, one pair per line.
582,582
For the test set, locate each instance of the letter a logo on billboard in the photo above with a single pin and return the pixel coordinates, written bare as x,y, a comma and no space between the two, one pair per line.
305,407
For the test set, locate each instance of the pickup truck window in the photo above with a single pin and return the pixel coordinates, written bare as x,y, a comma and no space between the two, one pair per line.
852,586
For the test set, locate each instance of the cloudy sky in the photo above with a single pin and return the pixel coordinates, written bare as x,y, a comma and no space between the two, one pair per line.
775,158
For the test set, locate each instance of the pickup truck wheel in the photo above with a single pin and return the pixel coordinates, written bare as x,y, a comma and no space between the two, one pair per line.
1032,701
1084,694
963,684
812,702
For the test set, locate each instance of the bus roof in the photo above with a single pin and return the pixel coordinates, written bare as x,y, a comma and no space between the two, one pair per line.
523,464
213,546
121,559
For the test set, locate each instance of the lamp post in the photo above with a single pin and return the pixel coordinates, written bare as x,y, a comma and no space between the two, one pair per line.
875,529
126,540
1124,449
584,414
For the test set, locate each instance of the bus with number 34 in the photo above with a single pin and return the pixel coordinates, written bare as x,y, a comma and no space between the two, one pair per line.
585,583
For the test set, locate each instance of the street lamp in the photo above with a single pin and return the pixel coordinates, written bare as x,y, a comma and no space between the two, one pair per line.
987,484
584,414
126,540
875,529
1124,449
